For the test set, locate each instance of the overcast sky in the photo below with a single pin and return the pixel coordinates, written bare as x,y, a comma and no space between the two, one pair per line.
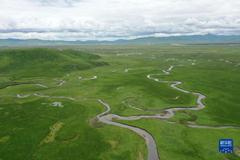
114,19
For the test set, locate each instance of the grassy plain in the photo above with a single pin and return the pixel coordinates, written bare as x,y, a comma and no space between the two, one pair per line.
32,80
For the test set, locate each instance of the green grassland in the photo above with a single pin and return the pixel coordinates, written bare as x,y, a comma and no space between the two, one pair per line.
34,80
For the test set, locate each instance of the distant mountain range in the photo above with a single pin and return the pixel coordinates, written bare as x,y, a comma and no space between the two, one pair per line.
196,39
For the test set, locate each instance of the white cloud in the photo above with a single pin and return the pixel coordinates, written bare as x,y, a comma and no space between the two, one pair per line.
112,19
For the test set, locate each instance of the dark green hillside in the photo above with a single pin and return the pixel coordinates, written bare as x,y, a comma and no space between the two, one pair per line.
45,62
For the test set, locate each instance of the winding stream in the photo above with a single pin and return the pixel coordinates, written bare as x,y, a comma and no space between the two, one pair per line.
107,118
150,142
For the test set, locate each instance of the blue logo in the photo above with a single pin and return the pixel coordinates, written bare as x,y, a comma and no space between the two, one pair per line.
226,146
